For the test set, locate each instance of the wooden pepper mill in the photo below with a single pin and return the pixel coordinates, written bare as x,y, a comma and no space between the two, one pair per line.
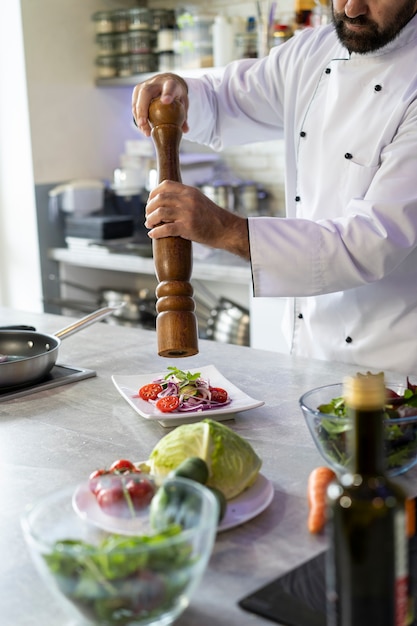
176,323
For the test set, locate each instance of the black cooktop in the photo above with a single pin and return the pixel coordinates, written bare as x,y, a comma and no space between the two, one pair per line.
59,375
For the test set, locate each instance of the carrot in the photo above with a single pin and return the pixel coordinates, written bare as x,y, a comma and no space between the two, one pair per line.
318,482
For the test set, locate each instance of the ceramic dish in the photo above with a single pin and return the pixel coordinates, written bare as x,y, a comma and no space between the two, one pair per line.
249,504
128,387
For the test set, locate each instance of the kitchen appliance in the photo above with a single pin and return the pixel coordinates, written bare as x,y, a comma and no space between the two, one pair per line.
81,197
28,356
128,181
58,376
100,227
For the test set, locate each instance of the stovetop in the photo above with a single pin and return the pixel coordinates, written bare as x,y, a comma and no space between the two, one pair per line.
59,375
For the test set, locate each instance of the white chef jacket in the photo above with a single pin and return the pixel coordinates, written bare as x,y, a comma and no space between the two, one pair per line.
345,255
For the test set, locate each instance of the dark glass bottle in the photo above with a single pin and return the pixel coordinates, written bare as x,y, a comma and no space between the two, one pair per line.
367,567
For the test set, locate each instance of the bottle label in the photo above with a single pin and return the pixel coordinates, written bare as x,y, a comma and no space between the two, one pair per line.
401,569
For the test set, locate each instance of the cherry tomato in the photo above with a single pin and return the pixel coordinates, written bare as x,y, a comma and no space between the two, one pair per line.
113,501
94,480
150,391
141,492
167,404
218,394
122,465
105,481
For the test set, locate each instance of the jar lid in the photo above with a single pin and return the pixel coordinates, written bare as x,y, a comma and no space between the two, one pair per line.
106,60
102,16
137,11
100,37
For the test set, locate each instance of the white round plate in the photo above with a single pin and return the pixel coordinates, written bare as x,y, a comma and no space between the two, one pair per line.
241,509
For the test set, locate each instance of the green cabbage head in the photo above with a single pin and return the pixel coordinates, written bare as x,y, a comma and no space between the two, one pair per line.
233,464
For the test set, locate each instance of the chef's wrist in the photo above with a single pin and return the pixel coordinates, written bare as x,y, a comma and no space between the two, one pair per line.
237,237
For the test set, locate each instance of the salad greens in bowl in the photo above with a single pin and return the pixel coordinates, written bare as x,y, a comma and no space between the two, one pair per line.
325,413
111,578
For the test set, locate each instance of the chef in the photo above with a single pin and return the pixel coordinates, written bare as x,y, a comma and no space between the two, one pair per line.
344,98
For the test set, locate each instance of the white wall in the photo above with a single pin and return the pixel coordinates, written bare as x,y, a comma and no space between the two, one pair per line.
78,130
19,255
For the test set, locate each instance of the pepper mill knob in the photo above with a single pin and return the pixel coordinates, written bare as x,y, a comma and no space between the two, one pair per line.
176,323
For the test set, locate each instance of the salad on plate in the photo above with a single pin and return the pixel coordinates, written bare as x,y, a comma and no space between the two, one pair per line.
183,391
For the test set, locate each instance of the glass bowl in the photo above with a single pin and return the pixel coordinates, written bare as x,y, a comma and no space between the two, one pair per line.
125,579
329,432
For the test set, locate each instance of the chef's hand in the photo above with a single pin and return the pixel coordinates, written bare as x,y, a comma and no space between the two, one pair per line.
177,210
168,87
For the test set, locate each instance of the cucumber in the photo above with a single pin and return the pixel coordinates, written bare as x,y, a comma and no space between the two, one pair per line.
193,468
221,499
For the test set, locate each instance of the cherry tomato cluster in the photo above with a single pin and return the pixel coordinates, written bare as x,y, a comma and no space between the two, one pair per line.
167,404
122,490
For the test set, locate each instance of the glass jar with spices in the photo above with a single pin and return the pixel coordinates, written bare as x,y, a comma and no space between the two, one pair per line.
142,63
280,34
246,45
120,21
106,66
140,19
163,23
193,43
122,43
106,44
103,21
162,18
140,42
166,61
123,66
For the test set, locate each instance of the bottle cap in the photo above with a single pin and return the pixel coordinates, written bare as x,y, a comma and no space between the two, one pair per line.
365,391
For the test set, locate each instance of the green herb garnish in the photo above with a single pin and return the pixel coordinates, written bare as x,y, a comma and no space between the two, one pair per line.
184,378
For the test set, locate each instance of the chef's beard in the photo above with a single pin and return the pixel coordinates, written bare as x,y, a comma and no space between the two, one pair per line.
372,37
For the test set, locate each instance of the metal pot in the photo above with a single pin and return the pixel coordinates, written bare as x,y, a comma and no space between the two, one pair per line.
138,310
229,323
139,307
29,355
220,193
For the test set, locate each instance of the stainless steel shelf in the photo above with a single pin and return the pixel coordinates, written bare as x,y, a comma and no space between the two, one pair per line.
123,81
130,81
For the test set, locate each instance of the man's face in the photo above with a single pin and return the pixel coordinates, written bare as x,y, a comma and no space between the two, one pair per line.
367,25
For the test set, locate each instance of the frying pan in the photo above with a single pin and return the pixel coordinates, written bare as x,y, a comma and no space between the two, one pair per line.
30,355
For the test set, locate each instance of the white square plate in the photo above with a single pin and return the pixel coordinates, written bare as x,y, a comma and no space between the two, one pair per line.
128,387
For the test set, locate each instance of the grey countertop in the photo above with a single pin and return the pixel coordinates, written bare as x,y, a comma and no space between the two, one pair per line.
57,437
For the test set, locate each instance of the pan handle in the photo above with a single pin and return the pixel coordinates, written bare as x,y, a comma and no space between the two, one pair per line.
18,327
87,320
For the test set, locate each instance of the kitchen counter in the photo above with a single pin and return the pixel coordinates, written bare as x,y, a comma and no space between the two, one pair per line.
57,437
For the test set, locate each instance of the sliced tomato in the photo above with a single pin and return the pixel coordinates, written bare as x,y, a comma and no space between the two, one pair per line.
168,404
150,391
218,394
